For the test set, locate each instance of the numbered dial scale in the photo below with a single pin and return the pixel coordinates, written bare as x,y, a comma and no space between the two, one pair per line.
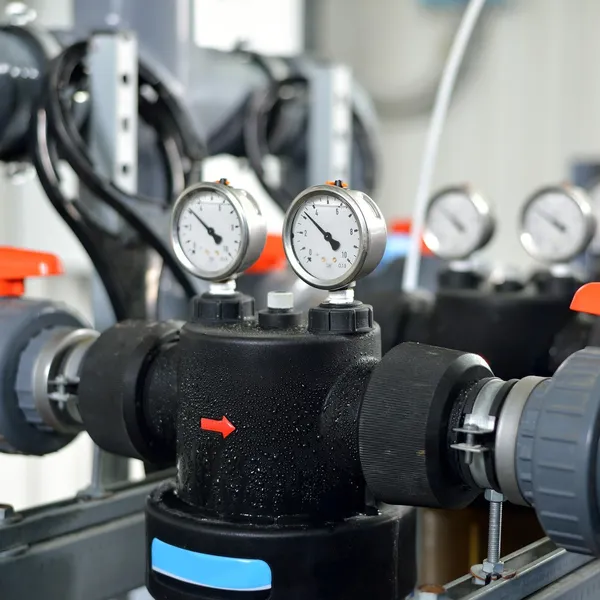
333,236
557,224
217,231
459,222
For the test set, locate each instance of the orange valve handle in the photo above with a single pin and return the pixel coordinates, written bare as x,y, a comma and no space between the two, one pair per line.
17,264
272,257
587,299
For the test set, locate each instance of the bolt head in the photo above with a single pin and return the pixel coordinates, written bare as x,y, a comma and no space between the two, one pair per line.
493,568
494,496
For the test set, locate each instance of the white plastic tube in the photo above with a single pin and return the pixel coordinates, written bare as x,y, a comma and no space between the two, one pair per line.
465,30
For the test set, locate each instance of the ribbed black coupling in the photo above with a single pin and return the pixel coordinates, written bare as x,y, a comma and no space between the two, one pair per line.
406,422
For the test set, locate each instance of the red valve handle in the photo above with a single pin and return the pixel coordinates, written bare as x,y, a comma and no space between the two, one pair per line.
17,264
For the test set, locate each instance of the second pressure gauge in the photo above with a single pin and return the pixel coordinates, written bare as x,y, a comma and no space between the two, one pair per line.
217,231
459,222
333,236
557,224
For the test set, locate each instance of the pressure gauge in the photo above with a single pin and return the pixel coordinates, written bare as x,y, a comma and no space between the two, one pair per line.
333,236
594,194
217,231
557,224
458,223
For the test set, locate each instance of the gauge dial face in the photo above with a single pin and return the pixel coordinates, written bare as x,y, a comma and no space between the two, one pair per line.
209,233
557,225
326,237
459,222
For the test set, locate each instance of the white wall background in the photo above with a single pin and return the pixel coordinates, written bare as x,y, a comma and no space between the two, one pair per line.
528,107
530,104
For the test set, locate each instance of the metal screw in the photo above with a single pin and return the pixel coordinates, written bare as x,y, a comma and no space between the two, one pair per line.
470,441
492,565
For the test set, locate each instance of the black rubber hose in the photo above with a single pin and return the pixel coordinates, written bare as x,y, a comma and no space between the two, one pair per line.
70,146
260,112
71,213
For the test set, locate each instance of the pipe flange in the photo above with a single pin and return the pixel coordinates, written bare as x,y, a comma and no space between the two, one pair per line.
564,465
507,429
47,377
525,440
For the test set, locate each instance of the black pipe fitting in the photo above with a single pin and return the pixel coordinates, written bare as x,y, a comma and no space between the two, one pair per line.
277,462
127,392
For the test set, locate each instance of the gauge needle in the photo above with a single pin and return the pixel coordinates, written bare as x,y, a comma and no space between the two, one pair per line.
553,221
454,221
218,239
335,245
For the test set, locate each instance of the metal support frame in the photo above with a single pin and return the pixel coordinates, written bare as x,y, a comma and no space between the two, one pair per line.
92,549
112,138
330,126
542,572
113,67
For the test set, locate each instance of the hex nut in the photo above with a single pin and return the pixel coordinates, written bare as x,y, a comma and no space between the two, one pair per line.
493,568
494,496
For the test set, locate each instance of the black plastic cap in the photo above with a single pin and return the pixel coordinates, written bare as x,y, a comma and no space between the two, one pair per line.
341,319
222,309
509,285
451,279
279,319
549,284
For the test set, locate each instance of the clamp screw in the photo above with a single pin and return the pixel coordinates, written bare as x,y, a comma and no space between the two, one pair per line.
492,566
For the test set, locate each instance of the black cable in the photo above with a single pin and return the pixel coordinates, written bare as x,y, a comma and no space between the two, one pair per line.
262,109
259,109
71,213
69,67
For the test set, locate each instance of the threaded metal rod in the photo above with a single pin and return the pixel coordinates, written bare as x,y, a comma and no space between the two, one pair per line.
494,532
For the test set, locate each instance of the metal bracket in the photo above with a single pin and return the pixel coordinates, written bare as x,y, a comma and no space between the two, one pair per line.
330,125
92,549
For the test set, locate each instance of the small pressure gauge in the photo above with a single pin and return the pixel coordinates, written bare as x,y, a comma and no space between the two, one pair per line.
333,236
557,224
594,194
458,223
217,231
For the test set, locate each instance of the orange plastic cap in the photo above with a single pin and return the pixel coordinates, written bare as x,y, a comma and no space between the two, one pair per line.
587,299
17,264
344,184
272,257
403,226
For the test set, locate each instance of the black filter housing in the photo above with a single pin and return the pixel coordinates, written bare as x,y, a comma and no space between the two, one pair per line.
287,460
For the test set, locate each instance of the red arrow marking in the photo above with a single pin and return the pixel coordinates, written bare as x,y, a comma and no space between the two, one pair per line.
223,426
